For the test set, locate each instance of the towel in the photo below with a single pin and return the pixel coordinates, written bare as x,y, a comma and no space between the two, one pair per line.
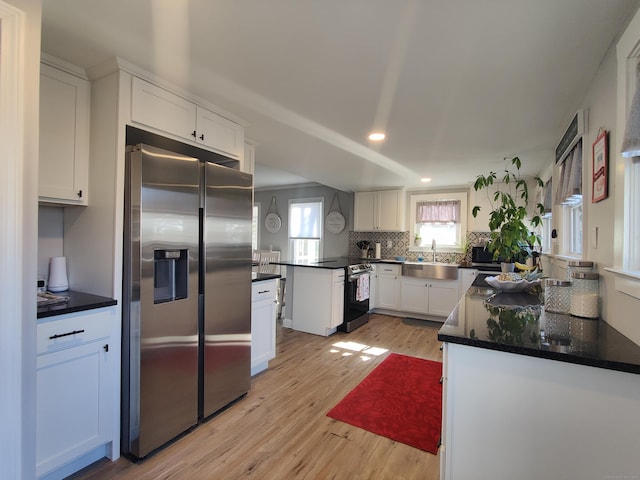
362,287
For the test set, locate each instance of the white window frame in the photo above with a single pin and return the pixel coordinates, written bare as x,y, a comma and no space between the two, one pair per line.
291,240
547,227
626,252
415,198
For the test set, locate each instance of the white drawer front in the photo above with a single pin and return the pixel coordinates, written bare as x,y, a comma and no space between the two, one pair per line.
389,269
72,330
262,290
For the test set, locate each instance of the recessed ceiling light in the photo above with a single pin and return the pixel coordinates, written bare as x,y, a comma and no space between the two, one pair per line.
376,136
425,180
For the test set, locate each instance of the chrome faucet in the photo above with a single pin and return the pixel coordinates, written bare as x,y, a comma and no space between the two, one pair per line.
433,249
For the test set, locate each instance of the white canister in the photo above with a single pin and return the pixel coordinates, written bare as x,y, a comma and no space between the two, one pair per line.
585,294
378,251
58,281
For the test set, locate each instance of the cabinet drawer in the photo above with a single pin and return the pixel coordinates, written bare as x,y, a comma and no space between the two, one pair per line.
72,330
263,290
389,269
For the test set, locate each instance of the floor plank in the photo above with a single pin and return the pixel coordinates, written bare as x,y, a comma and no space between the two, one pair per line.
280,430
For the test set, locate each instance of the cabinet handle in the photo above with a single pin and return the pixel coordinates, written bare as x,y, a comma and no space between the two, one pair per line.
193,134
441,379
106,347
263,291
202,137
79,194
53,337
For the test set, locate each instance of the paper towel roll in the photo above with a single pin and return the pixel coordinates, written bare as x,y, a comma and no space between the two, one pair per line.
378,253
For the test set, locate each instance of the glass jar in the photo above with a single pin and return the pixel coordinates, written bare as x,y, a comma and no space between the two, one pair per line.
585,294
557,295
578,266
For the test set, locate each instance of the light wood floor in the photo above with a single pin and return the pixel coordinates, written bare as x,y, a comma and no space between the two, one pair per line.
280,430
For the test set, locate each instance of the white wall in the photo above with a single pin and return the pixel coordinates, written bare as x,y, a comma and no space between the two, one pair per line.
619,310
50,236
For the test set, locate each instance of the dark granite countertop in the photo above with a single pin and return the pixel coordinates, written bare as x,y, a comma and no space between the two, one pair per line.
259,277
332,263
78,302
517,323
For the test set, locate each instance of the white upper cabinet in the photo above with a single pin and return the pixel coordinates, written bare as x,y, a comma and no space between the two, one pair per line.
158,108
379,211
64,137
163,110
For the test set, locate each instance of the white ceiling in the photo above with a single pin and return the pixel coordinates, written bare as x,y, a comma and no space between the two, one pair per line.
457,85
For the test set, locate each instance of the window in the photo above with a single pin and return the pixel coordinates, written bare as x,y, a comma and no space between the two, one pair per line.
305,229
547,218
569,198
440,217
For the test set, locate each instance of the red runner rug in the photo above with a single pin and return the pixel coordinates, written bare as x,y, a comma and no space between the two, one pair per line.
400,399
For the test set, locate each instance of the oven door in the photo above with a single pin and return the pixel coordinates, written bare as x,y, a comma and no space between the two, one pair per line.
356,302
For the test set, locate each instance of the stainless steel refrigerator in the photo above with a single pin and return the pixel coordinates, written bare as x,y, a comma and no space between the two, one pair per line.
186,295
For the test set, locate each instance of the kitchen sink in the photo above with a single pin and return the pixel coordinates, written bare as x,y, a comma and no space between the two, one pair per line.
435,271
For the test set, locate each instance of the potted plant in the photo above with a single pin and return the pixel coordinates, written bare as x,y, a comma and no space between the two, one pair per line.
510,233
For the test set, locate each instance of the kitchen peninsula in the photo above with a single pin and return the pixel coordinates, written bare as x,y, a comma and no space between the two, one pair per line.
315,295
556,397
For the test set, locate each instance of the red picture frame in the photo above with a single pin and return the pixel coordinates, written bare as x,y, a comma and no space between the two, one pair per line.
600,150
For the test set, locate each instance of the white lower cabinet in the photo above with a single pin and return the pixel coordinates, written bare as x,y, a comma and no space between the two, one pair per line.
318,299
263,324
428,297
74,390
388,286
466,277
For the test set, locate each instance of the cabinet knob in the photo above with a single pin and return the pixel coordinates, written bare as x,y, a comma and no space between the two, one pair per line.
193,134
202,137
106,347
79,193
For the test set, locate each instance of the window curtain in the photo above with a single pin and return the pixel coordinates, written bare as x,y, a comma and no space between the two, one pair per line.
570,190
443,211
631,140
547,200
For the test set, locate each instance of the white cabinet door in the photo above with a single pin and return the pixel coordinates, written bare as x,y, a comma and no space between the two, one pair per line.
414,295
443,297
158,108
388,287
373,287
467,276
364,217
72,407
249,160
263,324
390,207
64,137
219,133
380,210
337,300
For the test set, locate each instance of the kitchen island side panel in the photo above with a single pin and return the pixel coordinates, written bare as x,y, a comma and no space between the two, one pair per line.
514,416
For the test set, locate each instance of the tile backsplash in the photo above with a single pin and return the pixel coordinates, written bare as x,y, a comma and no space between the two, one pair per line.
400,244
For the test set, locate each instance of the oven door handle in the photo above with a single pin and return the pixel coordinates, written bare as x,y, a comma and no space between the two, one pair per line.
355,276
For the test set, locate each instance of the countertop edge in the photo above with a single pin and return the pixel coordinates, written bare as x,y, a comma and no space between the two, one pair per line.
78,302
549,355
266,276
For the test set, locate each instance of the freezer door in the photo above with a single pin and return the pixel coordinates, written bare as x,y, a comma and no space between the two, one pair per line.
160,370
227,287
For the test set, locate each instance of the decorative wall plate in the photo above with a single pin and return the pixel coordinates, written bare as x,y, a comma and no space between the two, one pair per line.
335,222
272,222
